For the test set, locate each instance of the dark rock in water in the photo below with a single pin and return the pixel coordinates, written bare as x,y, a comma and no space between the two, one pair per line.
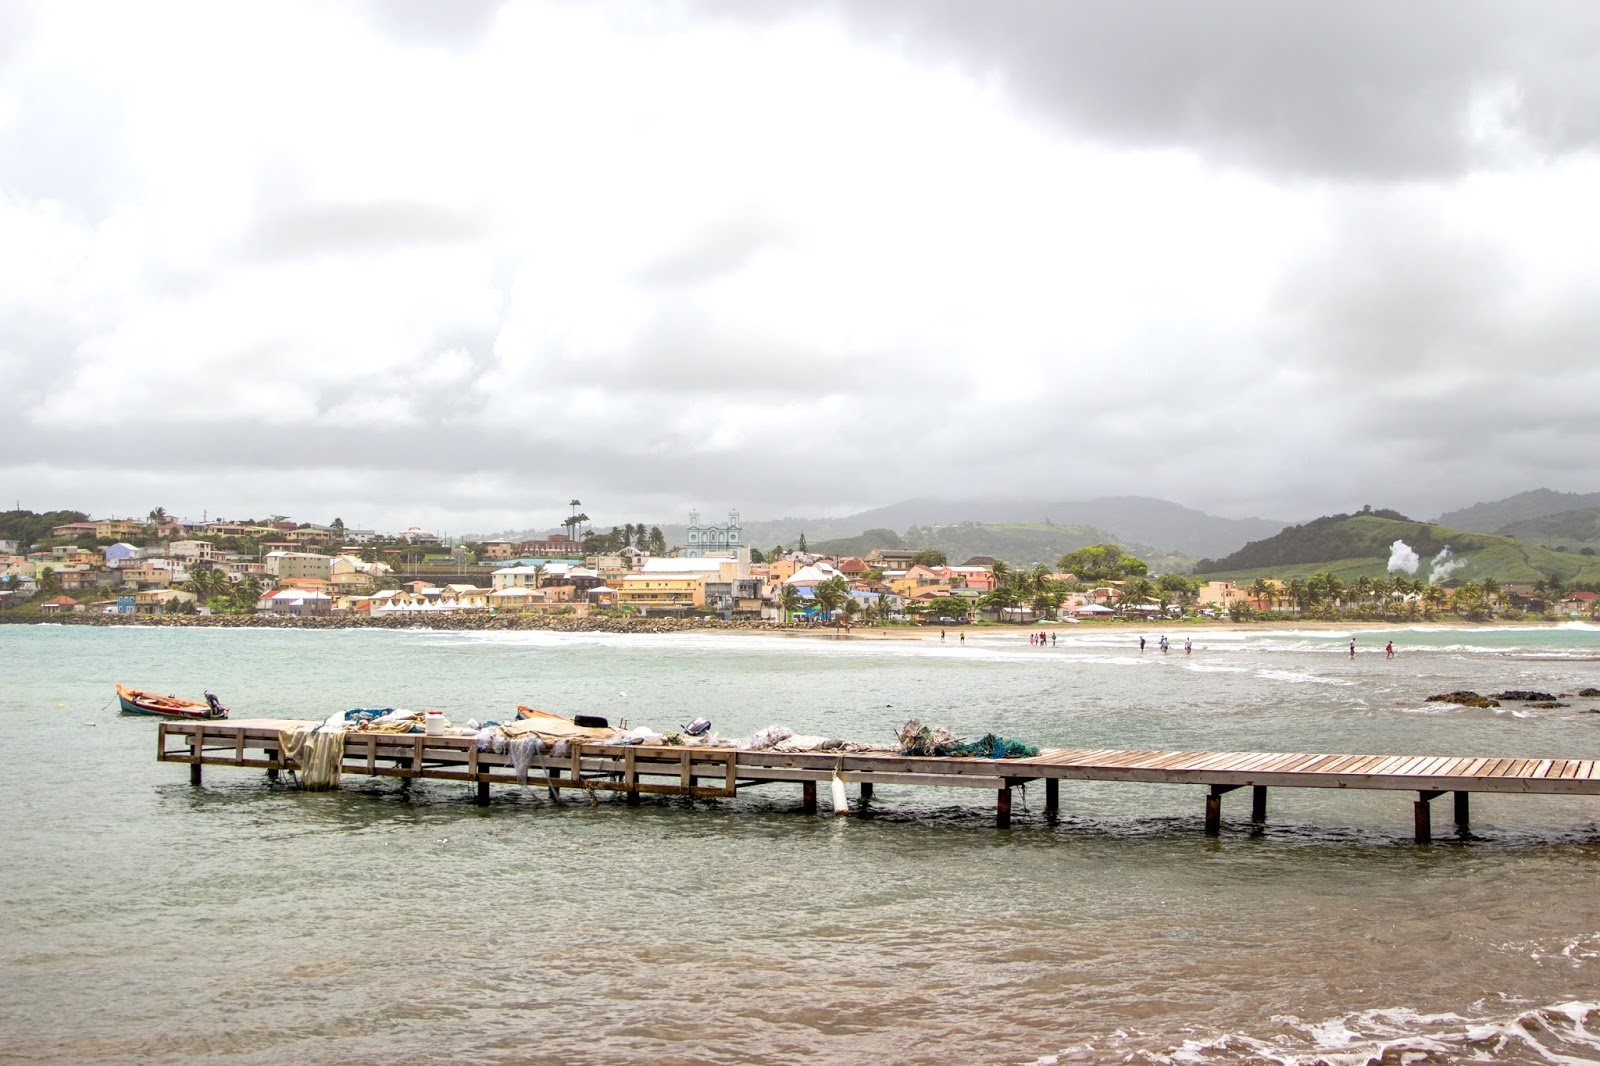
1589,692
1465,698
1523,694
1547,705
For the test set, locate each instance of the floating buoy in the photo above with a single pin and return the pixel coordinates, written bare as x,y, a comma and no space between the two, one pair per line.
841,803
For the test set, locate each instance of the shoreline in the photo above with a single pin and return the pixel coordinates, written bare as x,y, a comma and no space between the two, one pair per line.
568,624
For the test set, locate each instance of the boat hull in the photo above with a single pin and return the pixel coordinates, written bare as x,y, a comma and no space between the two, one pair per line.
137,701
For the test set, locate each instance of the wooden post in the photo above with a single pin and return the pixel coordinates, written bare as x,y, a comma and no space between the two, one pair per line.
1052,799
1002,808
1463,812
630,776
483,792
1214,808
194,774
1258,804
808,797
1422,815
272,771
866,792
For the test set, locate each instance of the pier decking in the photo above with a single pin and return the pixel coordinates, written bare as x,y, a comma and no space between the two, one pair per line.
635,770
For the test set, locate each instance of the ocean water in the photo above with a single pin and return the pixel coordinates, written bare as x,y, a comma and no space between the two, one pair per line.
247,922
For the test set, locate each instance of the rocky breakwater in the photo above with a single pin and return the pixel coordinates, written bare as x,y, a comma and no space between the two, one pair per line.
463,621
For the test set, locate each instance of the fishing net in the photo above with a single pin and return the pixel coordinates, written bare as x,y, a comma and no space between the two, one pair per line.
919,739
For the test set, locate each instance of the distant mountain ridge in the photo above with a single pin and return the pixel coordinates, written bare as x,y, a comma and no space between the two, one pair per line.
1496,515
1022,544
1165,526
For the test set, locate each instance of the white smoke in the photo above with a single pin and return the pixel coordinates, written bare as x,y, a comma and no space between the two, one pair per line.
1444,566
1401,557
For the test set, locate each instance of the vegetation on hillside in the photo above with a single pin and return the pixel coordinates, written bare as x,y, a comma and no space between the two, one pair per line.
1353,546
1579,529
28,528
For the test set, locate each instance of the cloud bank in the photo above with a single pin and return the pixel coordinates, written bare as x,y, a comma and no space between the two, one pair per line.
456,265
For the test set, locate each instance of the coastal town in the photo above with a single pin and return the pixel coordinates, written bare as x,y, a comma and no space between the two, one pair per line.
161,565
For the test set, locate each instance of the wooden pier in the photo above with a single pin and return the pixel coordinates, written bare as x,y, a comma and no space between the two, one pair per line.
636,770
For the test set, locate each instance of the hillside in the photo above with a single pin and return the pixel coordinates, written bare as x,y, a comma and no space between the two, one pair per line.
1578,529
1022,544
1351,546
1497,515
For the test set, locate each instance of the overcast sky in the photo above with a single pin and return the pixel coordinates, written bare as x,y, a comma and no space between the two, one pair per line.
455,264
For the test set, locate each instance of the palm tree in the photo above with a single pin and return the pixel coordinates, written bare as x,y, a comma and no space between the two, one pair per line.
207,583
246,594
1299,592
1263,589
1002,573
157,516
831,594
788,598
1135,590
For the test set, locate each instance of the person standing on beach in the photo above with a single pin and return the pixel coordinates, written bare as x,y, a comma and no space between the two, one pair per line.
1388,650
963,636
941,634
1188,645
1352,647
1141,645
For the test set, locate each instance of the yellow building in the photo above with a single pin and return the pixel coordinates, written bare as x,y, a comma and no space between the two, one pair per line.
666,593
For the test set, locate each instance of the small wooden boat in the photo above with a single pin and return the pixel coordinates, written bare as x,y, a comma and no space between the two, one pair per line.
587,721
137,701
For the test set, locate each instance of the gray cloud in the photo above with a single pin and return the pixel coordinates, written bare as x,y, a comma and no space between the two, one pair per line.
723,248
297,232
457,24
1362,89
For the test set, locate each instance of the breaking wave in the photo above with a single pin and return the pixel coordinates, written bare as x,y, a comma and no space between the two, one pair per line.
1558,1033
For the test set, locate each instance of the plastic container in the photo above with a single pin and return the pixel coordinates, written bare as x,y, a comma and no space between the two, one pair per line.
433,723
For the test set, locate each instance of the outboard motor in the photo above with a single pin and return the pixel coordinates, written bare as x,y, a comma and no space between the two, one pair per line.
217,709
698,728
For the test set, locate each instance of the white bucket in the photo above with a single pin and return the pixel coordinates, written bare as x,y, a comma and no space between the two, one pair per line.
433,723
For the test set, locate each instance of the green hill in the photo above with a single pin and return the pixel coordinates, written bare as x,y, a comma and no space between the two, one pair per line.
1351,546
1579,529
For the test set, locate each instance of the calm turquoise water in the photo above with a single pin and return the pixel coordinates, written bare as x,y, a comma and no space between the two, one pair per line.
247,922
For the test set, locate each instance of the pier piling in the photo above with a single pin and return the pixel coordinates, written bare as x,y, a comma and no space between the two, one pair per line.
1052,800
1422,814
1214,808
